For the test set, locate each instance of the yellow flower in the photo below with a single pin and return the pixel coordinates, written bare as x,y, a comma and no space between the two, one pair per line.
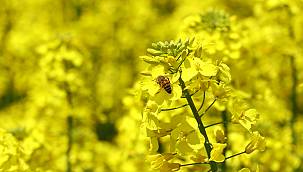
169,167
220,137
244,116
224,73
244,170
220,90
199,157
160,161
248,170
194,66
249,118
216,153
257,143
156,93
182,137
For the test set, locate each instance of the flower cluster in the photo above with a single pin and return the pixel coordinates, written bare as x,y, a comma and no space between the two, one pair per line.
174,120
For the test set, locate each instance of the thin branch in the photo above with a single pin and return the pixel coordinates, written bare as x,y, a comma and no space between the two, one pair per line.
225,126
208,107
191,94
197,163
202,101
194,93
293,97
214,124
180,63
180,55
70,128
237,154
174,108
69,144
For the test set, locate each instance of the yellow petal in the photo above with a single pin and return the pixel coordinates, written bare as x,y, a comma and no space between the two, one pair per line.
176,92
157,70
244,170
169,167
154,146
193,138
183,147
208,69
257,143
189,71
220,137
224,73
216,153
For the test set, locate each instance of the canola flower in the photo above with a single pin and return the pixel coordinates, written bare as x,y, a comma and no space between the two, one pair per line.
191,75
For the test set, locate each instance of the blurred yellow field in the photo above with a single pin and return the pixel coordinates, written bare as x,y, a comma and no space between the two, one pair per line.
153,85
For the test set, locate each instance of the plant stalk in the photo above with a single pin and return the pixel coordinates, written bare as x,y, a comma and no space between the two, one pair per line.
235,155
201,127
293,98
225,126
69,144
174,108
70,128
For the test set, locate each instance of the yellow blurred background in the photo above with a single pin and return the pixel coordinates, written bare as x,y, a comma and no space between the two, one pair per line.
67,68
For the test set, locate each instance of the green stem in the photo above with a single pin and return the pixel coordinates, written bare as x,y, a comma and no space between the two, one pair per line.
191,94
202,101
70,126
208,107
201,127
6,29
181,63
69,144
293,97
174,108
197,163
210,125
235,155
225,125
